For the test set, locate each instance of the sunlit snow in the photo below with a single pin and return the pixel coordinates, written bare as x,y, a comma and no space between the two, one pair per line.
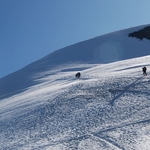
106,109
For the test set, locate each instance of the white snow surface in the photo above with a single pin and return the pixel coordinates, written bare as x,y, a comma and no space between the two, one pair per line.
44,107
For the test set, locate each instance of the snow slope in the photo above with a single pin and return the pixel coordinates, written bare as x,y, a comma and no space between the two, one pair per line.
44,107
103,49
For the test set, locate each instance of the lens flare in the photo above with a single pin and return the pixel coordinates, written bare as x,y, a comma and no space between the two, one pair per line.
108,52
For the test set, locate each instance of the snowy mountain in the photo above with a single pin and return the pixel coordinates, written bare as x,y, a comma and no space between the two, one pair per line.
44,107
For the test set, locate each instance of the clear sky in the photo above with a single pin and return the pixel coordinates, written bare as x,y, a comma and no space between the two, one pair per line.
31,29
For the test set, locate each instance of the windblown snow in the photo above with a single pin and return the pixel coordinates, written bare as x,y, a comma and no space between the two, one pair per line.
106,109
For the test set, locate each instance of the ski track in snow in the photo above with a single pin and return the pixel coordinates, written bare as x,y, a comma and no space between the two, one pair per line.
99,111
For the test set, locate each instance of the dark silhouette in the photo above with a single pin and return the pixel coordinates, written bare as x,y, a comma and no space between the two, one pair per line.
78,75
144,71
141,34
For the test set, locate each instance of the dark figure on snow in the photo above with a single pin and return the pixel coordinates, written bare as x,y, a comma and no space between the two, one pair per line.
78,75
144,71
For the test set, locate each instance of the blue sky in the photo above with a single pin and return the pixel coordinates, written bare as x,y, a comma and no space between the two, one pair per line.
31,29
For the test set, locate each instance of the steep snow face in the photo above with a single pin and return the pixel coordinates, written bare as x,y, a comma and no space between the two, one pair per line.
108,108
103,49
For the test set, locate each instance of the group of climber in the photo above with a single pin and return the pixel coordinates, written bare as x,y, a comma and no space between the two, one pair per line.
144,69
